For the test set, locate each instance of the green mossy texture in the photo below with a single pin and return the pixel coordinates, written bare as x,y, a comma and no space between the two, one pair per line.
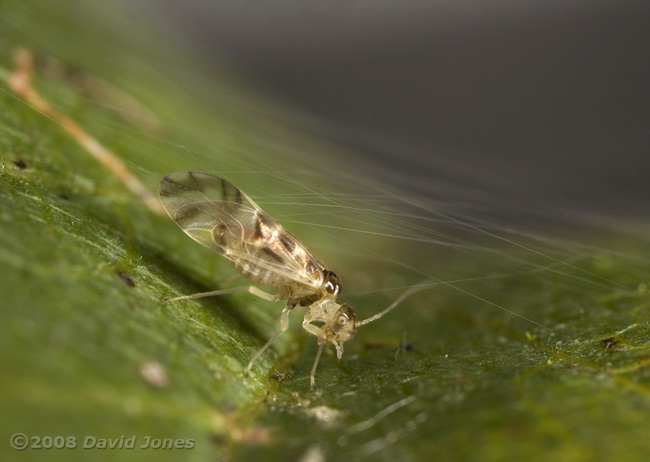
86,267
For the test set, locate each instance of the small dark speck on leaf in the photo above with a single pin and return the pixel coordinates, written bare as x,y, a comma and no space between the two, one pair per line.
218,439
63,196
279,376
126,279
21,164
611,344
404,346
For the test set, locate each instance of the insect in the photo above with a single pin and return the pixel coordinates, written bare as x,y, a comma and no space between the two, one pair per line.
220,216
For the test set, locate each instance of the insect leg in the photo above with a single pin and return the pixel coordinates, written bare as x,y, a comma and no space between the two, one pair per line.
252,289
313,330
312,376
284,325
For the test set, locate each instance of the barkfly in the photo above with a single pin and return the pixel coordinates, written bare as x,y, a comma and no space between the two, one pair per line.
220,216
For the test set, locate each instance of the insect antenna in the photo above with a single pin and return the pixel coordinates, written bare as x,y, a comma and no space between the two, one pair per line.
399,300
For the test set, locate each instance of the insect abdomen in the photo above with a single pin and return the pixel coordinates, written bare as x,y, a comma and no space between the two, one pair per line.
258,274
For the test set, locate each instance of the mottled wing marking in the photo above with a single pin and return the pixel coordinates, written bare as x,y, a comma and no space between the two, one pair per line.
218,215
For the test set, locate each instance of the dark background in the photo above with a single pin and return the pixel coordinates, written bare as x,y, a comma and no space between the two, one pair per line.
543,100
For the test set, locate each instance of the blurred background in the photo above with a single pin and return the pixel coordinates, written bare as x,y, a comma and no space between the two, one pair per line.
539,101
403,142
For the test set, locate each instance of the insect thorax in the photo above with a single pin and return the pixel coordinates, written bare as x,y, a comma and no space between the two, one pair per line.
307,295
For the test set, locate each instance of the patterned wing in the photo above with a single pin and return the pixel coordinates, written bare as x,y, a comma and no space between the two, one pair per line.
218,215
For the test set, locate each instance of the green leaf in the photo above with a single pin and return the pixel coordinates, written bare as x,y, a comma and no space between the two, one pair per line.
526,348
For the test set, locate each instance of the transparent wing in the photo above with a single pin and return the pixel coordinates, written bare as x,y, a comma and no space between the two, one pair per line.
218,215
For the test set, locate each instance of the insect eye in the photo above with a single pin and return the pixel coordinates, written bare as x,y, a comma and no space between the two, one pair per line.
342,320
331,283
330,287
